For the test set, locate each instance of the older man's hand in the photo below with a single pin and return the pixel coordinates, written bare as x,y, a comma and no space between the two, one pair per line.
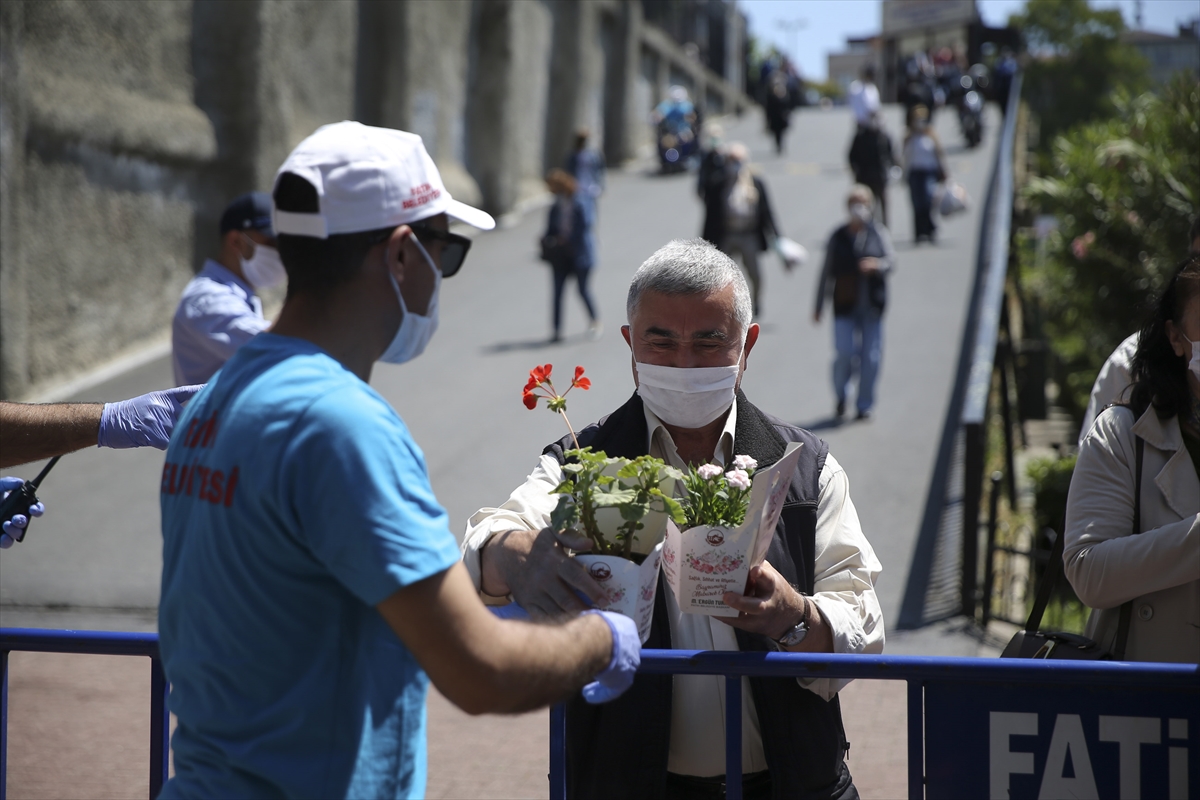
773,607
535,569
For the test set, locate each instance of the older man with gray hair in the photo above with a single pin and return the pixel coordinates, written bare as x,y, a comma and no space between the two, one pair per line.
690,333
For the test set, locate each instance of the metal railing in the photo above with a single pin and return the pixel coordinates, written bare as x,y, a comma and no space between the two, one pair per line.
939,715
955,493
1060,682
93,643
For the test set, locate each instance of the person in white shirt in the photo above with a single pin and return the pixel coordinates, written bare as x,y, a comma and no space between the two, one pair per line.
864,96
690,333
220,309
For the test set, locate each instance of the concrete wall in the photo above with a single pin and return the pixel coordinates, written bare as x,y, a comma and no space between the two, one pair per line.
127,125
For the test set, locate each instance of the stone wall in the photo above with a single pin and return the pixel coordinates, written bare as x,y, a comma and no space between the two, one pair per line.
127,125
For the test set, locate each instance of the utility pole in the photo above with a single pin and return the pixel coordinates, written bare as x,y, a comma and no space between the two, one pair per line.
793,26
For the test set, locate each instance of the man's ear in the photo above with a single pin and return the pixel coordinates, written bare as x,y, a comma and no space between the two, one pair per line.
393,253
751,339
625,331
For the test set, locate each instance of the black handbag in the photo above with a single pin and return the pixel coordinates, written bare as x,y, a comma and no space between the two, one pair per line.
1032,643
555,251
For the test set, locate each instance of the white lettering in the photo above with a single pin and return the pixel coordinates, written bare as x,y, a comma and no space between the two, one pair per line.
1131,733
1004,762
1068,736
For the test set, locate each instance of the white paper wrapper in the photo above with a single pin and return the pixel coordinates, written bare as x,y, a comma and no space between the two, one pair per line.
630,587
704,562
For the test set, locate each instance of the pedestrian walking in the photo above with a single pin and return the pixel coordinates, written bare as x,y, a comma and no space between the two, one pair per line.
864,96
739,219
926,166
311,587
220,309
586,165
871,160
779,108
569,245
858,261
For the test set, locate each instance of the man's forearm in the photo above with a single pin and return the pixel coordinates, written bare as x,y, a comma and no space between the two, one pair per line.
33,432
548,663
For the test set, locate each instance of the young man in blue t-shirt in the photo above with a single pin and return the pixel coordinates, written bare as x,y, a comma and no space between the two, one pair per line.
310,581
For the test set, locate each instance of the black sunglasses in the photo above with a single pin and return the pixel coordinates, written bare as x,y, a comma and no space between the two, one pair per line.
454,247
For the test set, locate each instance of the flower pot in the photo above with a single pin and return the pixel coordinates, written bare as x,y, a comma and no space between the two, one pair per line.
705,561
654,524
630,587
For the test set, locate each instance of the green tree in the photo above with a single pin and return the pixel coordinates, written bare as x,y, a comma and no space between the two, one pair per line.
1124,191
1077,63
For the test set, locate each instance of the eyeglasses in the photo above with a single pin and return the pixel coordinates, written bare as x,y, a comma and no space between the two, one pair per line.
454,247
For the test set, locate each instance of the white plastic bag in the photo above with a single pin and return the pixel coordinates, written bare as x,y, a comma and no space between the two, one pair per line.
792,252
952,199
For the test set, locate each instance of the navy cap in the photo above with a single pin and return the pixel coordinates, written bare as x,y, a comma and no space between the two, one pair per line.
251,211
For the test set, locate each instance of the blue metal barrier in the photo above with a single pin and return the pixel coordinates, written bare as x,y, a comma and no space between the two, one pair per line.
963,715
963,711
94,643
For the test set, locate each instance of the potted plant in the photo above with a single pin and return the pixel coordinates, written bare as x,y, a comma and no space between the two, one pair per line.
621,505
730,517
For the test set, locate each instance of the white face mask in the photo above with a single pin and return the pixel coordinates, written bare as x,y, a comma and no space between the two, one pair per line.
415,331
687,398
264,269
1194,364
861,212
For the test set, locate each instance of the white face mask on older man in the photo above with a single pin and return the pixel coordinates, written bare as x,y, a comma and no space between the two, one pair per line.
687,398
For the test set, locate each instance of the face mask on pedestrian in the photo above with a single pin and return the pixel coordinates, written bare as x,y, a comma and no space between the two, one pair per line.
1194,364
415,331
264,269
860,212
687,398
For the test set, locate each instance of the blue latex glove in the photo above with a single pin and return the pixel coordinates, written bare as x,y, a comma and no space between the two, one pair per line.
510,611
11,526
145,421
627,654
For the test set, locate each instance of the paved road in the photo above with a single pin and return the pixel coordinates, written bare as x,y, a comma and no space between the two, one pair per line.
99,547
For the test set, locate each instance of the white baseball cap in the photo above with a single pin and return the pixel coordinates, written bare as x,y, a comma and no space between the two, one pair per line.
368,178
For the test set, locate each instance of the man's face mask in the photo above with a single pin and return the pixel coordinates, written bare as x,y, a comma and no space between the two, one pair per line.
415,331
263,269
687,398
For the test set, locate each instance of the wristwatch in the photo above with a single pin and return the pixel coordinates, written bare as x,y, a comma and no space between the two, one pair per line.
795,635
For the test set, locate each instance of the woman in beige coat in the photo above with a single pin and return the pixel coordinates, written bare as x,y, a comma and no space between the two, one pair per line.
1158,569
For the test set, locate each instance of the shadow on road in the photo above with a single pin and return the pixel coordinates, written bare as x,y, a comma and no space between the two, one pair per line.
528,344
829,423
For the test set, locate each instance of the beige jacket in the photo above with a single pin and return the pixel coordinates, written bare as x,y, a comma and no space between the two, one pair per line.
1159,569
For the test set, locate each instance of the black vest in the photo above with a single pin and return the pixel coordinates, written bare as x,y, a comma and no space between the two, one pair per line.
620,749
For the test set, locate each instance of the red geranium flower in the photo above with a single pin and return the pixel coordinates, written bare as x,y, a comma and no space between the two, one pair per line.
539,386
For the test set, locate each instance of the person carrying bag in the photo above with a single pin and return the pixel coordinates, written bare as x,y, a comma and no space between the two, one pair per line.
1033,643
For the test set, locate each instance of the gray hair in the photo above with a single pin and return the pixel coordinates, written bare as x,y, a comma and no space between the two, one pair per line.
690,267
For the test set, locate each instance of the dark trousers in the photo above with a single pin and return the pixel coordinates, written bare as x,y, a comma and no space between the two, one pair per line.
562,271
879,189
686,787
921,184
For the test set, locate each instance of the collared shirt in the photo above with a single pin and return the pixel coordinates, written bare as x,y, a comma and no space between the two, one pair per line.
217,314
845,572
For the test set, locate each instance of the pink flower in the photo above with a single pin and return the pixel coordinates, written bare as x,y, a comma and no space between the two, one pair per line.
738,479
744,462
708,471
1081,245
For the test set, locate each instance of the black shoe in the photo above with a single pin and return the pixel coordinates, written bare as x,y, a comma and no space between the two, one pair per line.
862,415
841,409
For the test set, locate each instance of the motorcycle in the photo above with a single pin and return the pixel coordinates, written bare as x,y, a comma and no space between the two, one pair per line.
677,145
970,110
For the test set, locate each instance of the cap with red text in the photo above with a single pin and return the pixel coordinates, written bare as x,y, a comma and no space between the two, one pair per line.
363,178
